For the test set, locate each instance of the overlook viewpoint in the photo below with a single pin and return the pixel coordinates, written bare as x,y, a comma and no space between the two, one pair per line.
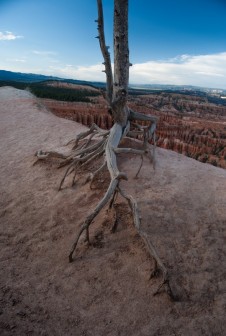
182,204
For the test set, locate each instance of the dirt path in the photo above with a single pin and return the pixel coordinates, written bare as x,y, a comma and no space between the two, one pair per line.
106,290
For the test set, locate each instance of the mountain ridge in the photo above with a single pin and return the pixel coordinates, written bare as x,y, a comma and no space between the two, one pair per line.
31,77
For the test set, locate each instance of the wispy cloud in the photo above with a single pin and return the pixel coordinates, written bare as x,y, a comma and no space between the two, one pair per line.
44,53
92,72
18,60
203,70
200,70
8,36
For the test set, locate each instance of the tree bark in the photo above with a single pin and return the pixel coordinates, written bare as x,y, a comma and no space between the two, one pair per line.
105,52
121,62
85,152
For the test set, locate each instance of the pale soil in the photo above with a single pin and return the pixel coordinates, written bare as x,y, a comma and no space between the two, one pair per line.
106,290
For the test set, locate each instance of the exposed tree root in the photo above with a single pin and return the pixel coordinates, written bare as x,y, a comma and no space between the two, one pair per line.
93,214
158,262
84,151
141,164
92,176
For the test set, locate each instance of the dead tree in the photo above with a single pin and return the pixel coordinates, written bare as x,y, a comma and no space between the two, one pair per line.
85,151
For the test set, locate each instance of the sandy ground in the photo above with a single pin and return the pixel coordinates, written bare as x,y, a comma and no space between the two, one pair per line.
106,290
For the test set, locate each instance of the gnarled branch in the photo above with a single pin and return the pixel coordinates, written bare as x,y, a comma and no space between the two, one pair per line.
105,52
84,151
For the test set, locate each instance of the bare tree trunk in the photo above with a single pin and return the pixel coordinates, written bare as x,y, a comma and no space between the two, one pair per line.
121,62
107,146
105,52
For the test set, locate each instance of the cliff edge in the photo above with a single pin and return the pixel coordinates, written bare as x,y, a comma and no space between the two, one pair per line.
106,290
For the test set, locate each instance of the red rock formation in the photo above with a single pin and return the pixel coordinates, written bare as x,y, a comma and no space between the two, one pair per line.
187,125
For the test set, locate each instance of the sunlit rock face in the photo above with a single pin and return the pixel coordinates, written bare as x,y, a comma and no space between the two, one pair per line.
187,124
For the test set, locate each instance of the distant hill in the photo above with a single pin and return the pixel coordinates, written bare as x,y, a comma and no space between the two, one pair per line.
34,78
134,88
24,77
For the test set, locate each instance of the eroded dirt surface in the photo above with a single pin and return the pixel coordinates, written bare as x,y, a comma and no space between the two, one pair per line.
106,290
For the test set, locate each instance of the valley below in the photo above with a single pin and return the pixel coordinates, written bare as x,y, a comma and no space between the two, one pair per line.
188,124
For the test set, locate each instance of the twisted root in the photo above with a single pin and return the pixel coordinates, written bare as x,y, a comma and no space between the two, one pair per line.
83,152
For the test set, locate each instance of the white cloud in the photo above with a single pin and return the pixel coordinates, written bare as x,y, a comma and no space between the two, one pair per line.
92,72
7,36
44,53
201,70
18,60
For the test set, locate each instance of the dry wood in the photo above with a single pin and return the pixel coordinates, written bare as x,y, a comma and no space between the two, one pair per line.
92,176
158,262
105,52
84,151
93,214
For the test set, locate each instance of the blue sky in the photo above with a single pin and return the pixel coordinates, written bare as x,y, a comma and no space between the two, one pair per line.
171,41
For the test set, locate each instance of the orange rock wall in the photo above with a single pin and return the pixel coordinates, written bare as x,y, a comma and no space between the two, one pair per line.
193,132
